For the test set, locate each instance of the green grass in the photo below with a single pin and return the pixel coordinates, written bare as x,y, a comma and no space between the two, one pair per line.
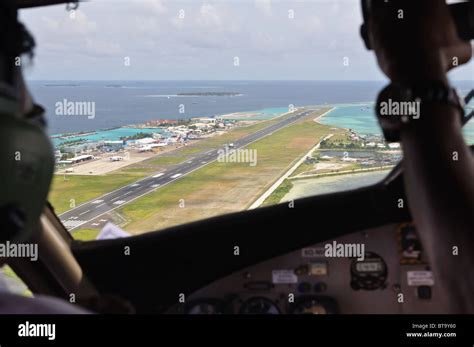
304,167
224,187
8,271
79,189
278,194
138,170
187,151
166,160
85,234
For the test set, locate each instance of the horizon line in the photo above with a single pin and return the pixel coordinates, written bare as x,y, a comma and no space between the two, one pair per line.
218,80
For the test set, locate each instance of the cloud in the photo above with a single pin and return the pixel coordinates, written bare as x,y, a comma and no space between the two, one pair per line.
102,48
265,6
202,44
209,17
149,7
76,23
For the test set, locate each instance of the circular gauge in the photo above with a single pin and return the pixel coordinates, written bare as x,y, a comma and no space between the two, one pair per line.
259,305
206,306
368,274
314,305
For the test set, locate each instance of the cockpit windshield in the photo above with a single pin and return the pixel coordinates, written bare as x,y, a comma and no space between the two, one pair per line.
170,112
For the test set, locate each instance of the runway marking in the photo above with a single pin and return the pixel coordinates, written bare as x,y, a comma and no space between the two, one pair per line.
158,175
69,224
189,162
120,202
100,205
155,185
73,217
80,214
97,201
134,185
251,140
176,176
203,162
95,224
103,220
127,193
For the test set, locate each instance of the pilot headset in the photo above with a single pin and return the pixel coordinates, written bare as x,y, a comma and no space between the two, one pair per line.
26,154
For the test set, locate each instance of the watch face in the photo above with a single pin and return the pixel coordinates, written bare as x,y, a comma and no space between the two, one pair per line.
399,105
396,101
395,106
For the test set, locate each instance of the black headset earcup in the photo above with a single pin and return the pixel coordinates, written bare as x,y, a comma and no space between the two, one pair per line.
365,36
27,169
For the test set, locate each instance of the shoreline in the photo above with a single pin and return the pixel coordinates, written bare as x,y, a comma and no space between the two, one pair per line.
341,173
261,199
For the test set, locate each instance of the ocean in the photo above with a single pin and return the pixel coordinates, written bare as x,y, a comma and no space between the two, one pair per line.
119,103
361,118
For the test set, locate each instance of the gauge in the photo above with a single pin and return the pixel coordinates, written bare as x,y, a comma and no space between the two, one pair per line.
206,306
259,305
368,274
314,305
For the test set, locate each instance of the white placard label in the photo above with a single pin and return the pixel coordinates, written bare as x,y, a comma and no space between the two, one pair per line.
420,278
312,252
284,276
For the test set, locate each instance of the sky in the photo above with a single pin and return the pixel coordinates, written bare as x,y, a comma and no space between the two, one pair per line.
203,40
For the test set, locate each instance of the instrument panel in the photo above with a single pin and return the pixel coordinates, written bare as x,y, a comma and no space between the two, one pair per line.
377,271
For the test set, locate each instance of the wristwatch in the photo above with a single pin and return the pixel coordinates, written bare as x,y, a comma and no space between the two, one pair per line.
401,105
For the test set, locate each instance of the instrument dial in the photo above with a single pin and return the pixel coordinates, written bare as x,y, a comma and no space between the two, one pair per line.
314,305
206,306
368,274
259,305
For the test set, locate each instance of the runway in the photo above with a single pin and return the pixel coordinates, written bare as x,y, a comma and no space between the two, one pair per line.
93,210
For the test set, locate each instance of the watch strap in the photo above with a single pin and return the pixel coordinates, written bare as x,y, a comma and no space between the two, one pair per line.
400,105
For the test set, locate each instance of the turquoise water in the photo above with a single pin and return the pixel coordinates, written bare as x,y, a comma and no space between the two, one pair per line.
358,117
109,135
361,118
116,134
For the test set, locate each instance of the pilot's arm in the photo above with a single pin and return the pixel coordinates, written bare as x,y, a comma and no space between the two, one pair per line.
438,165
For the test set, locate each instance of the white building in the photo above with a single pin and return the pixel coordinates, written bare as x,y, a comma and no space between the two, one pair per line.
394,145
145,141
205,120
